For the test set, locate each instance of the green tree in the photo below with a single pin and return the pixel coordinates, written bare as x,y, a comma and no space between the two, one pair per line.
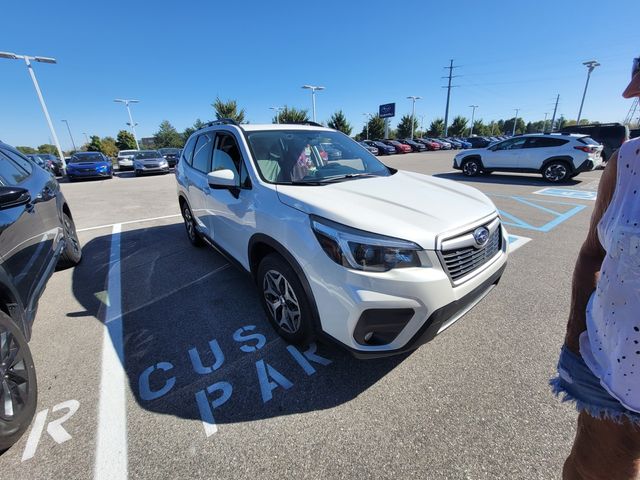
48,148
436,129
228,109
339,122
197,125
109,147
458,127
125,140
26,150
479,128
167,136
404,127
292,115
95,145
521,127
376,128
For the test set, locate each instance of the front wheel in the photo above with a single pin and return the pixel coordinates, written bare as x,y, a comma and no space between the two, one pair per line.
284,300
471,168
72,253
556,172
18,385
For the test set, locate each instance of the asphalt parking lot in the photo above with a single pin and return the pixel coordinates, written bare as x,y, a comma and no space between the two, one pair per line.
155,360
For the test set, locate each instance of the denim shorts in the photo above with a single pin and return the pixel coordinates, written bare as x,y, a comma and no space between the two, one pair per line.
576,383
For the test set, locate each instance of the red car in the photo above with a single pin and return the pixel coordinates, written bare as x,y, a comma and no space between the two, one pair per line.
400,147
429,143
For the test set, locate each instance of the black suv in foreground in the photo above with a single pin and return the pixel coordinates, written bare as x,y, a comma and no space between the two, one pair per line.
37,234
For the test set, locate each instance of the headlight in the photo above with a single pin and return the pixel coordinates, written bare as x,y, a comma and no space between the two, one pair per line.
361,250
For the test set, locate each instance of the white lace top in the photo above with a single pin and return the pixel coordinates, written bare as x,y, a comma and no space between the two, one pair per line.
611,345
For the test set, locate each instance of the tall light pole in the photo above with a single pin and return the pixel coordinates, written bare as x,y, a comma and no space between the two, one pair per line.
69,130
368,118
473,114
131,124
515,122
86,137
591,65
544,123
277,110
413,99
313,89
27,60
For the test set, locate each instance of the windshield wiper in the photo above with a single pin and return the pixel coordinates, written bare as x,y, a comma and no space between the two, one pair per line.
348,176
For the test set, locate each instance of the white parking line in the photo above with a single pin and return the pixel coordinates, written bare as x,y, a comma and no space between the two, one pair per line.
111,225
111,449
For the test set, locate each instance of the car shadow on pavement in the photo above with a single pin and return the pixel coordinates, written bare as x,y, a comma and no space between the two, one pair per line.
197,342
507,179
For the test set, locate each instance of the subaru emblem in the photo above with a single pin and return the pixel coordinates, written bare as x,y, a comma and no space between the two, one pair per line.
481,236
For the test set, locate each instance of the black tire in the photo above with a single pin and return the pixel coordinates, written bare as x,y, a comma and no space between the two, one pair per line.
18,376
556,171
137,173
471,167
190,226
72,253
274,272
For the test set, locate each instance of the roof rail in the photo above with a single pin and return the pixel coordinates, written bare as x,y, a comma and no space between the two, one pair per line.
221,121
307,122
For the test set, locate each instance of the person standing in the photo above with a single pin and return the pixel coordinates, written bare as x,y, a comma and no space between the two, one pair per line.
599,365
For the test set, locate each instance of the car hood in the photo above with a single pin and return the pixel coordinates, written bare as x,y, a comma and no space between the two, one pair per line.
405,205
87,164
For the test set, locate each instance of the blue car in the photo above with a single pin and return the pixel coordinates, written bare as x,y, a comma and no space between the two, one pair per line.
89,165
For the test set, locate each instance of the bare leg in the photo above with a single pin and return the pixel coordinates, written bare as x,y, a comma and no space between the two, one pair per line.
603,450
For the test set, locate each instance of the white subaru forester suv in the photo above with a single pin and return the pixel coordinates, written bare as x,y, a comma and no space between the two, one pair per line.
343,247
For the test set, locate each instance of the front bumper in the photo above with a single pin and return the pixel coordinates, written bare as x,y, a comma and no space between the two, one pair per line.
90,174
423,300
146,169
125,164
588,165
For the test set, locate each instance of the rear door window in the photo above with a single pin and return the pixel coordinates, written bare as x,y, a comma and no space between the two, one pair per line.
544,142
202,152
187,152
10,172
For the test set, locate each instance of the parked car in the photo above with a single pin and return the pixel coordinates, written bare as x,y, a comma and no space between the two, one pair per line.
445,145
89,165
332,152
463,143
377,259
415,146
171,155
125,159
610,135
556,157
383,148
373,150
41,162
478,142
454,143
37,234
149,161
430,144
400,147
55,162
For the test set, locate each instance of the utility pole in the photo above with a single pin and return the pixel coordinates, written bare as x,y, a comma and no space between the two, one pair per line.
473,114
591,65
515,122
368,117
448,87
555,109
544,123
69,130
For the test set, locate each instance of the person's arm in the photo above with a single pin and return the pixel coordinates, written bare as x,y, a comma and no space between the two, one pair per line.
587,270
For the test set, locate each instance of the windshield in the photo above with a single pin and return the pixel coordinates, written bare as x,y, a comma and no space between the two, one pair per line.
87,157
127,153
310,157
147,155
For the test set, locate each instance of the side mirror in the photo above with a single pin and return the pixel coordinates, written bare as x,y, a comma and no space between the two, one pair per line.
222,179
13,197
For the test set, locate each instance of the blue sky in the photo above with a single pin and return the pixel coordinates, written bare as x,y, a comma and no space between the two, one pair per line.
175,57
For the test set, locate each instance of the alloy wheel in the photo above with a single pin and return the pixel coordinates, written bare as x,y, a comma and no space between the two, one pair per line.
188,223
281,301
555,172
14,378
470,168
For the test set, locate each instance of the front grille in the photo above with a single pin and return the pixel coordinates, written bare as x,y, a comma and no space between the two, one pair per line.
152,165
463,260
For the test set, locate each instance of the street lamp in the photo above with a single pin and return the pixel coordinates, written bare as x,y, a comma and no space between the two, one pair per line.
86,137
27,60
473,114
131,124
69,130
368,115
277,109
591,65
544,123
313,89
515,122
413,98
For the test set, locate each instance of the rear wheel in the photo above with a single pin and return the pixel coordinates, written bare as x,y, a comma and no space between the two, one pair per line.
556,172
72,253
18,385
471,168
284,300
190,226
